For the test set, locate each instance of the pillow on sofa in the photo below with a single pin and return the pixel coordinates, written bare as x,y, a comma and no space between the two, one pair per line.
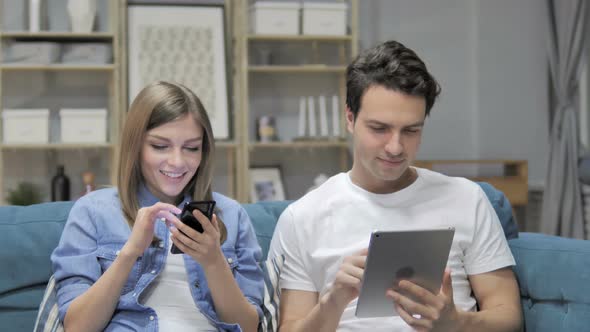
48,317
270,305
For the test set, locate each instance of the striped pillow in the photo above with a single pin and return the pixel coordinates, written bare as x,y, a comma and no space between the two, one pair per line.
47,317
272,292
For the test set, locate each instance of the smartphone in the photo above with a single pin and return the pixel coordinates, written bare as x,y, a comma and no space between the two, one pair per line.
187,217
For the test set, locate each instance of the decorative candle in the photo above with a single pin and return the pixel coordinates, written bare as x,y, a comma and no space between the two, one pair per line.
335,117
323,117
301,132
311,117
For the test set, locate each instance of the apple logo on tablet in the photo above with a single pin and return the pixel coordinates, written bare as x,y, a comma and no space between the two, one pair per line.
405,272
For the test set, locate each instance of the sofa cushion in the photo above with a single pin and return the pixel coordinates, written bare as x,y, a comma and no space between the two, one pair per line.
503,209
554,279
264,216
28,235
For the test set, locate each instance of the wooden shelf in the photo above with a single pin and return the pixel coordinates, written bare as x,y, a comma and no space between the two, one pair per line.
56,35
323,57
297,69
57,67
56,146
302,38
300,144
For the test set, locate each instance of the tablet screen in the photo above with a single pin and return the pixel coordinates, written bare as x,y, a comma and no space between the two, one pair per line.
417,255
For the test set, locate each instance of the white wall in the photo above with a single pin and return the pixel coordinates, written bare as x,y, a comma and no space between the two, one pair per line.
513,83
489,57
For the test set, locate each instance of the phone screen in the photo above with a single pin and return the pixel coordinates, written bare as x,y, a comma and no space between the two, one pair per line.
187,217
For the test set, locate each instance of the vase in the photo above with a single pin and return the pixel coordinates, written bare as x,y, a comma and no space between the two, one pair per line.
82,14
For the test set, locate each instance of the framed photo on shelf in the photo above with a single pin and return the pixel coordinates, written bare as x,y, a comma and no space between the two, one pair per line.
266,184
184,43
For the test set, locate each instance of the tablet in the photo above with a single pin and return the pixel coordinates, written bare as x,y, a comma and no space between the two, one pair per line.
418,255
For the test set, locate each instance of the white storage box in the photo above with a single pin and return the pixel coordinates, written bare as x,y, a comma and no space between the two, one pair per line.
31,52
323,18
29,126
83,125
87,53
274,18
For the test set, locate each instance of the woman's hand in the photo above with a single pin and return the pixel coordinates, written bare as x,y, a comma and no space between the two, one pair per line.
205,248
142,233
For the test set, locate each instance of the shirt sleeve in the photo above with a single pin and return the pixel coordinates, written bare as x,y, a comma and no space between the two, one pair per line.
248,273
74,262
285,241
489,249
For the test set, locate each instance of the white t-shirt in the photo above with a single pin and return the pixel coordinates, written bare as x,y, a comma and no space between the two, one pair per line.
335,220
170,296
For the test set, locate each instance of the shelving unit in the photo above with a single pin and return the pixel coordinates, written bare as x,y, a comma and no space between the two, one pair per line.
56,67
310,70
36,162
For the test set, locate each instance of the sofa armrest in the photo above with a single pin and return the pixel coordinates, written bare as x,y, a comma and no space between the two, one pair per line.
554,280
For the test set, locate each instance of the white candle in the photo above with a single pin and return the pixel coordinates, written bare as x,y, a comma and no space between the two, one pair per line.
311,117
323,117
34,15
335,116
301,132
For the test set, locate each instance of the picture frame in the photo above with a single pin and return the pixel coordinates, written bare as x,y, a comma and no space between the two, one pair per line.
184,43
266,184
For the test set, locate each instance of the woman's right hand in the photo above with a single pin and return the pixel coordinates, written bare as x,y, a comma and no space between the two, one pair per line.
142,233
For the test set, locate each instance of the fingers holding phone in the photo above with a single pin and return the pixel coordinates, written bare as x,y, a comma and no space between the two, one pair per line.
142,232
197,234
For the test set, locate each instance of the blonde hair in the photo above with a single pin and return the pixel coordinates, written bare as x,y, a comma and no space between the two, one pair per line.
159,103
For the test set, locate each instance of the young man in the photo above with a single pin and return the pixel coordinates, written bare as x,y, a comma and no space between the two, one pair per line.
325,234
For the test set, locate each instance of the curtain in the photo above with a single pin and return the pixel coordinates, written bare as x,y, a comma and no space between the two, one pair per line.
562,202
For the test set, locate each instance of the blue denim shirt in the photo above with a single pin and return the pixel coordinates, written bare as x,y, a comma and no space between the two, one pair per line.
95,232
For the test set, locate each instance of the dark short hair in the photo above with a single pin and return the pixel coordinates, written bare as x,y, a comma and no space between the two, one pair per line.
393,66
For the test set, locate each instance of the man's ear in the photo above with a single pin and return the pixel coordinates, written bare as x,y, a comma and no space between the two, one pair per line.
349,120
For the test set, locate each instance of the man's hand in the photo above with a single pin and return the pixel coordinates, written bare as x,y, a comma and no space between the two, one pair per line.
423,310
347,284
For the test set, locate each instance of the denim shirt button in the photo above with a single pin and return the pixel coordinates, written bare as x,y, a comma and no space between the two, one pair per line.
161,244
151,317
153,272
230,260
117,252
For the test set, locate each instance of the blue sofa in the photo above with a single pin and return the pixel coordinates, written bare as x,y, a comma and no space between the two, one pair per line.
553,272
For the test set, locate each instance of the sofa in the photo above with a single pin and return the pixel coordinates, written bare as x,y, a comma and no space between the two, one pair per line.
553,273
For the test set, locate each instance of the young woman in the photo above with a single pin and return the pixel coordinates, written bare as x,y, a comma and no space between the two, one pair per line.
113,266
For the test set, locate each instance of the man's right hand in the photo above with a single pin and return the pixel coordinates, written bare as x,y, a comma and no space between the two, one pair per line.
347,284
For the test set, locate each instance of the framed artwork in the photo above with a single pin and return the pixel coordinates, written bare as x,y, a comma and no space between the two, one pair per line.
266,184
181,43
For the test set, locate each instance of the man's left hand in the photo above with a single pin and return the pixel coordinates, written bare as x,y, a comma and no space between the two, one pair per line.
423,310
